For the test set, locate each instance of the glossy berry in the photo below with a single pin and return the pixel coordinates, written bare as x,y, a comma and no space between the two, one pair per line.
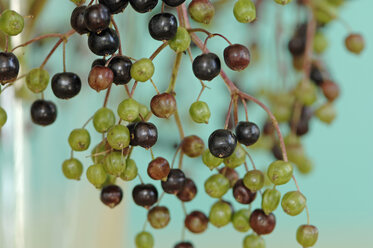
206,66
104,43
181,41
242,194
230,174
192,146
188,192
3,117
128,109
115,6
247,133
159,217
270,200
210,160
121,67
103,120
330,90
158,168
143,6
144,240
145,134
261,223
9,66
131,128
280,172
66,85
97,17
96,175
43,112
101,62
130,172
37,80
173,3
145,195
307,235
184,245
201,11
196,222
175,182
163,26
216,186
253,241
222,143
142,70
163,105
111,195
79,139
240,220
118,137
77,20
237,57
244,11
72,169
200,112
355,43
220,214
100,78
11,23
254,180
115,163
293,203
237,158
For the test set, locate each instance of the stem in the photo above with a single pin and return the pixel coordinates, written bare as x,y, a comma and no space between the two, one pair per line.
228,114
175,71
117,30
107,95
179,125
155,87
159,49
64,56
37,39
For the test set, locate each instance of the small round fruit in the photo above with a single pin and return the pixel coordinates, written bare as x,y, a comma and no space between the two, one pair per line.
222,143
3,117
111,195
101,62
9,66
43,112
128,109
163,26
306,93
145,134
79,139
121,67
196,222
330,90
201,11
77,20
104,43
254,180
72,169
115,163
230,174
270,200
158,168
115,6
175,182
316,75
130,172
163,105
181,41
192,146
145,195
293,203
66,85
242,194
142,70
253,241
244,11
261,223
307,235
184,245
283,2
210,160
143,6
237,57
355,43
216,186
220,214
200,112
240,220
103,120
326,113
236,159
118,137
206,66
173,3
100,78
97,17
96,175
320,43
37,80
144,240
188,192
11,22
280,172
247,133
159,217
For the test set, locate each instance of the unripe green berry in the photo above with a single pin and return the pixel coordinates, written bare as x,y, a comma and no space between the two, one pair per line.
355,43
280,172
320,43
217,185
326,113
306,93
142,70
143,112
307,235
244,11
11,22
293,203
3,117
128,110
237,158
96,175
282,2
181,40
199,112
79,139
37,80
78,2
130,172
144,240
240,220
220,214
270,200
210,160
115,163
103,120
201,11
253,241
72,169
118,137
254,180
100,148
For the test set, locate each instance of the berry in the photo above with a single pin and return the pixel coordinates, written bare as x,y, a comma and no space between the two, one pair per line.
77,20
192,146
242,194
143,112
253,241
188,192
37,80
220,214
326,113
11,22
247,133
121,67
244,11
66,85
181,41
3,117
43,112
261,223
330,90
142,70
230,174
293,203
163,105
101,62
9,66
206,66
118,137
100,78
201,11
128,110
103,120
163,26
111,195
97,17
237,57
96,175
144,240
184,245
270,200
307,235
240,220
159,217
115,163
104,43
131,128
173,3
115,6
79,139
175,182
130,172
320,43
306,93
280,172
72,169
210,160
217,186
236,159
254,180
158,168
145,195
199,112
283,2
222,143
145,134
355,43
143,6
196,222
316,75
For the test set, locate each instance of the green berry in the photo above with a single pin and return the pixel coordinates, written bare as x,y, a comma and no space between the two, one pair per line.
79,139
3,117
307,235
143,112
115,163
110,180
326,113
118,137
128,110
201,11
37,80
244,11
181,40
130,172
270,200
253,241
210,160
355,43
11,22
72,169
240,220
99,148
103,120
293,203
96,175
280,172
306,93
220,214
144,240
237,158
199,112
283,2
217,185
320,43
142,70
254,180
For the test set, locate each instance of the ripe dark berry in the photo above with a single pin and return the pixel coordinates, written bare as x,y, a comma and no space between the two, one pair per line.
175,182
145,134
330,90
9,66
188,192
111,195
159,217
163,26
131,128
77,20
103,43
143,6
184,245
100,78
163,105
145,195
196,222
297,45
158,168
101,62
237,57
247,133
121,67
97,17
173,3
316,75
66,85
261,223
43,112
242,194
206,66
115,6
193,146
222,143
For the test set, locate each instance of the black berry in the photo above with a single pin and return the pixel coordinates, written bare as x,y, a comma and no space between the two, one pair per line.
111,195
145,134
9,66
247,133
66,85
115,6
97,17
77,20
101,62
104,43
163,26
121,67
222,143
206,66
143,6
173,3
43,112
175,182
145,195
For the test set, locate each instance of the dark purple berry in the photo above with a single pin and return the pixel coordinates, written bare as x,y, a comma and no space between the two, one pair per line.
206,66
143,6
121,67
111,195
77,20
261,223
103,43
242,194
247,133
173,3
145,134
115,6
66,85
163,26
145,195
9,66
97,17
222,143
43,112
175,182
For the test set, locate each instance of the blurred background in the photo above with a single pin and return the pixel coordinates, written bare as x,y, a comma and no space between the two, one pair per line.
40,208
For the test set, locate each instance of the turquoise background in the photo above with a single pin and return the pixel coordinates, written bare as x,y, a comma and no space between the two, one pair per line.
62,213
